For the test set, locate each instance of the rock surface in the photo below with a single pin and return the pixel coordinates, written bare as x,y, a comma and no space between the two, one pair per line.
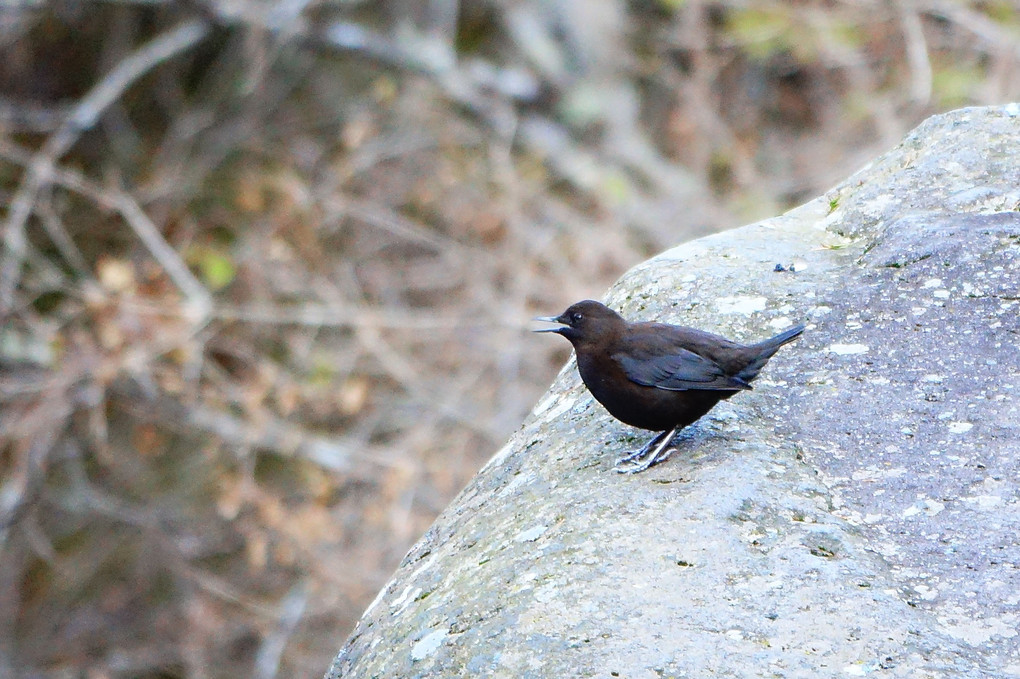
858,513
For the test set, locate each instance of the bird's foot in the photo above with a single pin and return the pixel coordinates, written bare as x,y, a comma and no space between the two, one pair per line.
654,452
630,457
636,464
638,454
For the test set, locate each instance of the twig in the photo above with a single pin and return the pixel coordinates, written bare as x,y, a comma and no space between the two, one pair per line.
27,116
54,227
83,117
124,204
271,433
61,176
25,483
199,298
392,222
975,22
284,15
396,365
917,52
348,315
32,427
292,608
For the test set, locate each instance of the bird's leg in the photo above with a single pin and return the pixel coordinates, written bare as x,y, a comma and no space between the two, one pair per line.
638,454
654,452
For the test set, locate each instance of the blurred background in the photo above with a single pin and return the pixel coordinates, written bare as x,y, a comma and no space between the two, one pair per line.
268,267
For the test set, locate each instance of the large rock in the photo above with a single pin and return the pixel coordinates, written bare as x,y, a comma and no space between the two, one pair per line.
857,513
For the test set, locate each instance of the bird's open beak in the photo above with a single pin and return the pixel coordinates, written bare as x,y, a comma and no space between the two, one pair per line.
550,319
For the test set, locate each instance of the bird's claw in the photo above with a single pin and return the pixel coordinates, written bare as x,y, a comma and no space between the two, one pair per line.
630,457
654,452
627,464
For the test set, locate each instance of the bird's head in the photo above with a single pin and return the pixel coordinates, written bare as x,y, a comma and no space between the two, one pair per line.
585,322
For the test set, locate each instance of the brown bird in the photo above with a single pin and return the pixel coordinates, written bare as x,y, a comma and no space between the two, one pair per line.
657,376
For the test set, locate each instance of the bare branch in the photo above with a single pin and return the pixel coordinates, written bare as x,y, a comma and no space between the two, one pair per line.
917,52
54,227
198,297
272,433
28,116
83,117
332,316
975,22
292,609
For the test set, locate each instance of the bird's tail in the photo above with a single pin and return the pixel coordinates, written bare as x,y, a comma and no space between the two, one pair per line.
766,350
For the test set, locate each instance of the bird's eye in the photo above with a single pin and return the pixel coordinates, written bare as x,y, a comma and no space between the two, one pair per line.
576,317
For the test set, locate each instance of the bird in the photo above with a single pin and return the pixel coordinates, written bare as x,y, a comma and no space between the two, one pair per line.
657,376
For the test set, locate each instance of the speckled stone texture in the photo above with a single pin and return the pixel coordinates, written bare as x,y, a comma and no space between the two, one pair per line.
857,514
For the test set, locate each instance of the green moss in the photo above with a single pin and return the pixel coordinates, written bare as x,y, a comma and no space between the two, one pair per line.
822,551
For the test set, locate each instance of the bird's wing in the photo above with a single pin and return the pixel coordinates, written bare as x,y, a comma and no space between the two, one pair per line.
664,364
